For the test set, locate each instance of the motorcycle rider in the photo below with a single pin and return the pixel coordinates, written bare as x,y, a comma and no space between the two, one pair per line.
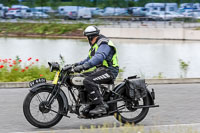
103,56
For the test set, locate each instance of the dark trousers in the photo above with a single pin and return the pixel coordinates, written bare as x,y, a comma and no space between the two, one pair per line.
99,76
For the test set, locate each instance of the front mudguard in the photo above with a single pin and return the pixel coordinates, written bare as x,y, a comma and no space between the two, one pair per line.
51,87
149,94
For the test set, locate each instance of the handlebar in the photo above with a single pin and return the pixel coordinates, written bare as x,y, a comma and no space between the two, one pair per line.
68,68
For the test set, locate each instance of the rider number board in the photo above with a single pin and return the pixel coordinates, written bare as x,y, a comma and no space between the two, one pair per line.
37,81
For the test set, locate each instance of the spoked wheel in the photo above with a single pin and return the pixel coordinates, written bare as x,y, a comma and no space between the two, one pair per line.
38,112
127,111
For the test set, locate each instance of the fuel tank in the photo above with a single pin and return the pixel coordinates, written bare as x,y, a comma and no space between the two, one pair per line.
77,80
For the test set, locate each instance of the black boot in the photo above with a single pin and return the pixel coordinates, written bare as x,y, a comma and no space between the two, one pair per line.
96,98
100,109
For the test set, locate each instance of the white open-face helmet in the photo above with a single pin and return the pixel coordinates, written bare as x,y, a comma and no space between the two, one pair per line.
91,31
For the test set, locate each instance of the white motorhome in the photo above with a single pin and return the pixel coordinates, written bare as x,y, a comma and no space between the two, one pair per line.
139,11
187,8
84,13
109,11
92,8
20,7
186,5
44,9
66,9
195,6
81,12
162,7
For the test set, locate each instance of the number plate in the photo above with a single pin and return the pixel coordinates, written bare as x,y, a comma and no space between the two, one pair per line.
37,81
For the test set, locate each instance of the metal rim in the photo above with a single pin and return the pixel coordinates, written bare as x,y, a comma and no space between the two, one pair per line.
127,110
39,109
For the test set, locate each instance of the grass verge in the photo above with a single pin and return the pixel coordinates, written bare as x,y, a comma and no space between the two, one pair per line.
43,29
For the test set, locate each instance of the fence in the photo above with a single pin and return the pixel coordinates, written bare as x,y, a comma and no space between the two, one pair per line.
149,24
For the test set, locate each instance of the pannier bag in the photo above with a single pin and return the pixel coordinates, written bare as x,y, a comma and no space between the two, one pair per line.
136,88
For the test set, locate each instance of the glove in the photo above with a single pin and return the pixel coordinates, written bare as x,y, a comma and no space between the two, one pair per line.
80,68
75,64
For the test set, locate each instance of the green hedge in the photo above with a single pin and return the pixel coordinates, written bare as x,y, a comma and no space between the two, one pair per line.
40,28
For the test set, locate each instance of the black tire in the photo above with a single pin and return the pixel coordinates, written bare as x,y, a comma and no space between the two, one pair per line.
123,119
29,116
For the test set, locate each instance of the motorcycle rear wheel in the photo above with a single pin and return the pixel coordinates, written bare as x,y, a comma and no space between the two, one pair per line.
41,111
128,110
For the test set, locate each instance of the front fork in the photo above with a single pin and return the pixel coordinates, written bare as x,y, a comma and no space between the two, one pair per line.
56,89
58,81
53,95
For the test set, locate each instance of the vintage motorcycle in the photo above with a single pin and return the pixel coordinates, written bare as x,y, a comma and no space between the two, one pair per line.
46,103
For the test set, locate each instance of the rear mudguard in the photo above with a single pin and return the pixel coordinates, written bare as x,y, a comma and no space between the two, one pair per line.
51,86
123,86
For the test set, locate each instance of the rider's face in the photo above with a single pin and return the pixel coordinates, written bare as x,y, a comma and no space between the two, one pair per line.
92,41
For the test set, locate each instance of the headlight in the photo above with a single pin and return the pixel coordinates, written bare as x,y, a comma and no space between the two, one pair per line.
54,66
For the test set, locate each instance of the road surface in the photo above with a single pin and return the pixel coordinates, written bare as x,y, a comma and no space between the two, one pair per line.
179,104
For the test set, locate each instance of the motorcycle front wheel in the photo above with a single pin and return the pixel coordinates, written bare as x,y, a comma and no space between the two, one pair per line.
38,112
127,113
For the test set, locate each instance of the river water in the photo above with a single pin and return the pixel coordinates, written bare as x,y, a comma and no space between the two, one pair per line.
146,58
